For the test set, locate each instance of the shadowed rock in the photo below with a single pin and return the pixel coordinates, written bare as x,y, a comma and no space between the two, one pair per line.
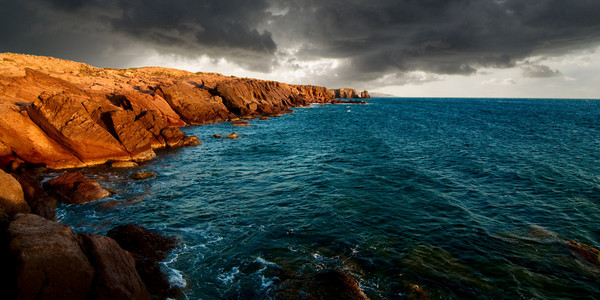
12,199
39,201
148,249
589,253
48,261
115,273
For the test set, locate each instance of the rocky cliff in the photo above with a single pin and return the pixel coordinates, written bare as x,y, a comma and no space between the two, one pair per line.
64,114
347,93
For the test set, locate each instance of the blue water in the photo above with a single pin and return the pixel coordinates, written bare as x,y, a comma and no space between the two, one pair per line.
468,198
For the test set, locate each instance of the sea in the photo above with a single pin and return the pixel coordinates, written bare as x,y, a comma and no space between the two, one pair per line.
467,198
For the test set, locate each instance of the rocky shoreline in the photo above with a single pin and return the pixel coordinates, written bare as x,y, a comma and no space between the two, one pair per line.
59,114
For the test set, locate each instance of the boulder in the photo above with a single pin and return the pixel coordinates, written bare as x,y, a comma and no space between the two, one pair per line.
39,201
325,284
64,118
48,262
148,100
115,273
194,104
148,249
132,134
12,199
74,188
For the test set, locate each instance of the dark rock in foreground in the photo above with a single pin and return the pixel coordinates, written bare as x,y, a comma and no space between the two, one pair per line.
148,249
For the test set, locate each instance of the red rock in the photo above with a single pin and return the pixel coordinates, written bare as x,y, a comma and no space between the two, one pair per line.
345,93
64,118
233,135
74,188
195,105
365,94
132,134
21,136
48,261
141,102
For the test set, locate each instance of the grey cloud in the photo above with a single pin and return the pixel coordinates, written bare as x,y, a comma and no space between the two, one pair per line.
372,38
539,71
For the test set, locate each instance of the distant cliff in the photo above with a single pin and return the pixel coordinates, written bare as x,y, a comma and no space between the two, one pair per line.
65,114
347,93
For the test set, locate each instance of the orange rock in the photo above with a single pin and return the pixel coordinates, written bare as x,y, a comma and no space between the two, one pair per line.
64,118
586,252
194,104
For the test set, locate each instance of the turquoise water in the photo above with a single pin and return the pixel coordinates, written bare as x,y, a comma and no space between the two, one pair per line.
468,198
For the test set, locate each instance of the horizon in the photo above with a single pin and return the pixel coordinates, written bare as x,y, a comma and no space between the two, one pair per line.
476,49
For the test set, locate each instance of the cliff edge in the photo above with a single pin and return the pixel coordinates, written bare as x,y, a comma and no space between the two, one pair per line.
64,114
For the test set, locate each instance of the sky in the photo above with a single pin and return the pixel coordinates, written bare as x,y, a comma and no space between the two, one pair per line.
407,48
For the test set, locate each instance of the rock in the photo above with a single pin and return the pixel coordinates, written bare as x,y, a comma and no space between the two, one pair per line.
39,201
142,175
194,104
115,274
145,101
233,135
19,134
12,199
264,118
154,124
240,123
589,253
325,284
217,136
148,249
133,135
415,292
65,118
48,261
124,164
345,93
74,188
173,136
365,94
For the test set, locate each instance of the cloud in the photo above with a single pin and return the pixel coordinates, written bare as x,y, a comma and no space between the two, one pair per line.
372,40
500,82
539,71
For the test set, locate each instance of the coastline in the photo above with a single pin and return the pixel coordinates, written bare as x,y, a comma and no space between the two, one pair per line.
60,114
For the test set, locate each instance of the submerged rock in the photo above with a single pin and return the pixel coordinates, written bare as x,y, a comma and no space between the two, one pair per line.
74,188
233,135
142,175
217,136
589,253
325,284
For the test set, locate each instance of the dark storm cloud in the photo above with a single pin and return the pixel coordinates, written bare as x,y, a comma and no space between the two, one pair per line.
218,28
439,36
375,38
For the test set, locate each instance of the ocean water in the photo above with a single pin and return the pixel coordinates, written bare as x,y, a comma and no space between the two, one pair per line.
468,198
